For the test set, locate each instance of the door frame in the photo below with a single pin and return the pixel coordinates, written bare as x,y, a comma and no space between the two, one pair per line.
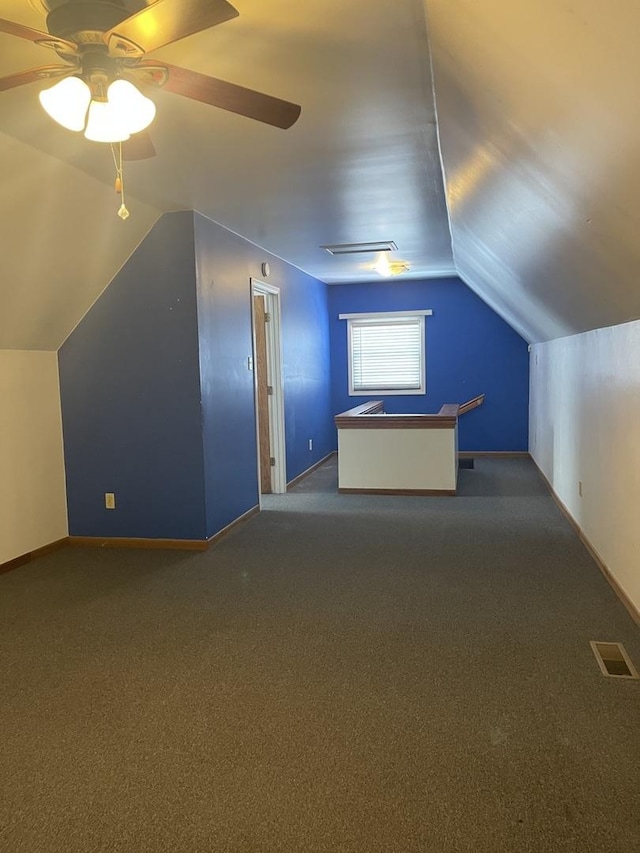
277,441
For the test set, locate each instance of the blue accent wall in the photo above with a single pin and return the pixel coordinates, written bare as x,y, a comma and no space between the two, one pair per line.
130,392
470,351
157,398
225,264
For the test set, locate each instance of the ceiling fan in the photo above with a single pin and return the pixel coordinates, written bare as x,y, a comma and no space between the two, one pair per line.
104,42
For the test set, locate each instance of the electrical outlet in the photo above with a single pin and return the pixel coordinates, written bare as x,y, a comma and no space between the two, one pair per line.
109,500
310,444
580,487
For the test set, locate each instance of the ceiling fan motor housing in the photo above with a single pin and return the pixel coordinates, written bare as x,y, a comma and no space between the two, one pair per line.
84,21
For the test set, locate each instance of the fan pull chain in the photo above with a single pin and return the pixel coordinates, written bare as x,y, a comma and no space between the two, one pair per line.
123,213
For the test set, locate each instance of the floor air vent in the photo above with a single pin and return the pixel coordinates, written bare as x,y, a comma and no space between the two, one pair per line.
613,660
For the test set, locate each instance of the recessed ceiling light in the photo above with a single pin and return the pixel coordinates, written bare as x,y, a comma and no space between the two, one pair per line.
360,248
387,268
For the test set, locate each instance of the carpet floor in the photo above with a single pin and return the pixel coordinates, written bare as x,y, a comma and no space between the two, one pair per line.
350,674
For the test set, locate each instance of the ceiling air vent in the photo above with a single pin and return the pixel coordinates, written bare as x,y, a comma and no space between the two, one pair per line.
361,248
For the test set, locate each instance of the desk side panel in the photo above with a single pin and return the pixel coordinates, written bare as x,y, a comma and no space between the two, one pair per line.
397,459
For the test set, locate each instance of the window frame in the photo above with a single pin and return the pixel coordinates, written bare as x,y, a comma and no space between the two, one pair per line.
379,318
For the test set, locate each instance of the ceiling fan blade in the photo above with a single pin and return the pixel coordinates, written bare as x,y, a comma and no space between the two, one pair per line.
44,72
138,147
230,97
166,21
44,39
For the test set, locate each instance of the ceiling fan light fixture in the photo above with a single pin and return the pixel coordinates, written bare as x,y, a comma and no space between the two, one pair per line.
125,111
104,123
67,102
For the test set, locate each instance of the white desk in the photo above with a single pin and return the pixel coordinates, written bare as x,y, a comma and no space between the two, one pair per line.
397,454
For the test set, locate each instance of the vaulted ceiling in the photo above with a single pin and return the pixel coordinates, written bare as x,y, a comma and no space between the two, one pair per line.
538,128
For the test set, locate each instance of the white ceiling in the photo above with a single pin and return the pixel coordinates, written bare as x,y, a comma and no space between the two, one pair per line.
539,123
539,130
61,245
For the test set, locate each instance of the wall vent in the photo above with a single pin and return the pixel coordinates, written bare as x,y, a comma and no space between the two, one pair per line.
613,660
360,248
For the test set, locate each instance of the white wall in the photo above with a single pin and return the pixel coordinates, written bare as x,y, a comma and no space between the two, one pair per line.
33,507
585,426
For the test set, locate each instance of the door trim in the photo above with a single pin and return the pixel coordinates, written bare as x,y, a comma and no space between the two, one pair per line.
271,295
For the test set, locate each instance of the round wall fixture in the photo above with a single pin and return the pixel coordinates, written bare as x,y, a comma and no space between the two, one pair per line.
266,269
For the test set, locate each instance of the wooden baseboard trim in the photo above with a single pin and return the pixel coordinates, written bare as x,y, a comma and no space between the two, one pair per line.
242,519
124,542
132,542
502,454
23,559
409,492
633,611
305,474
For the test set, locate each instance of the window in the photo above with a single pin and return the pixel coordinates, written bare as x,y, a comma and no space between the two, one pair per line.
386,353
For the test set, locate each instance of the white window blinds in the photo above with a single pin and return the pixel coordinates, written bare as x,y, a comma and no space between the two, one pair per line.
387,355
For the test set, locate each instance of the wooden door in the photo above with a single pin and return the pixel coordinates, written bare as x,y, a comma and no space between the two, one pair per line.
262,378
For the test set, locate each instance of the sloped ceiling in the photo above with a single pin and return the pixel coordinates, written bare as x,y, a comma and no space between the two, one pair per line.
61,245
361,164
539,126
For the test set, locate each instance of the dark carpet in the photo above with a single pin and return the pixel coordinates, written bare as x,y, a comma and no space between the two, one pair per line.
343,673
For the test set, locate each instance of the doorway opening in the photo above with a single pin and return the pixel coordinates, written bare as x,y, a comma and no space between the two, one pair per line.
269,397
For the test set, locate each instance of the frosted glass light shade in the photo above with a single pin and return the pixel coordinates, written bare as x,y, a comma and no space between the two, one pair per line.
104,123
134,110
67,102
125,111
